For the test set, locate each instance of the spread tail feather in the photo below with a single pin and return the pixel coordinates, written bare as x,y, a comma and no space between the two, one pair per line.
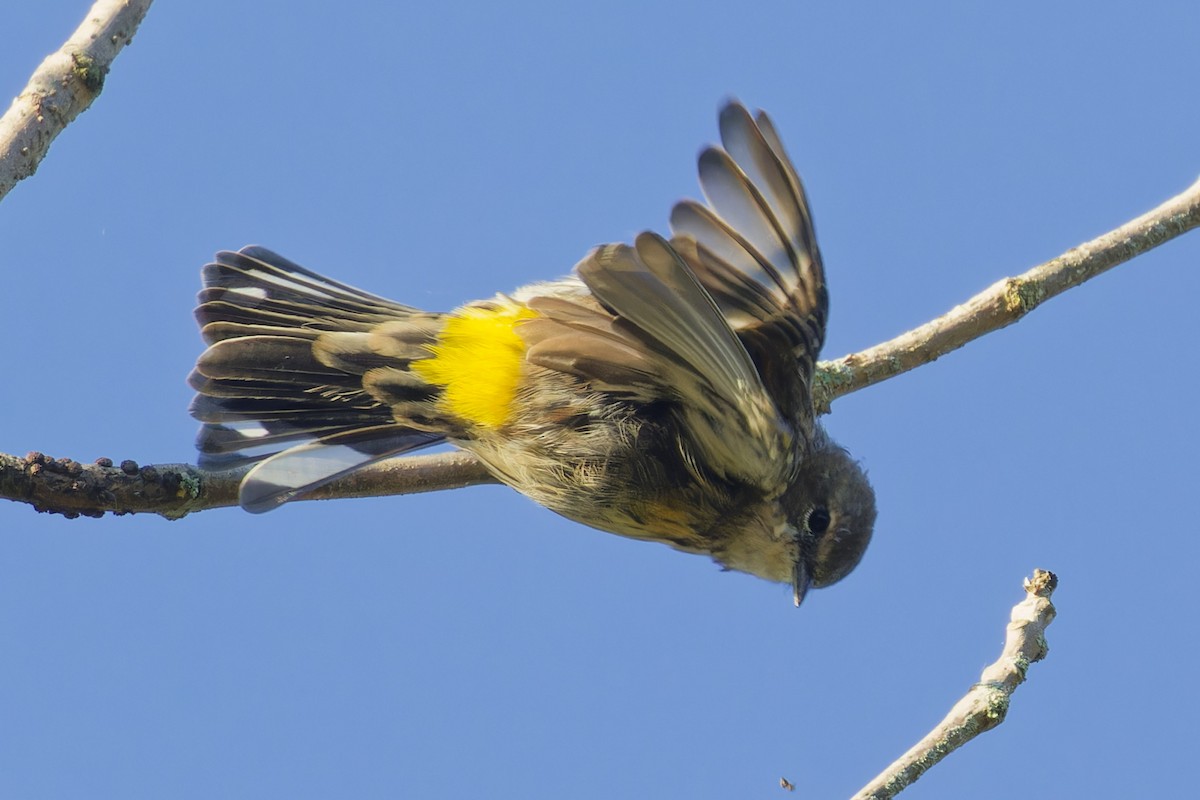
281,385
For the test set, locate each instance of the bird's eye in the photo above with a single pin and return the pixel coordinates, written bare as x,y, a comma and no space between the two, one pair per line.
818,519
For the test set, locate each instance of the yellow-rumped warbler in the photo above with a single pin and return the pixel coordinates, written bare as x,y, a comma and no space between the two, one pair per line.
662,392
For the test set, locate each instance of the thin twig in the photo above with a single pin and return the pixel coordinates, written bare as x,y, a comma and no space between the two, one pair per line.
63,86
1008,300
985,705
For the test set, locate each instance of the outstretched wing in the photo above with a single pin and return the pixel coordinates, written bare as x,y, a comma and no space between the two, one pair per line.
753,249
726,319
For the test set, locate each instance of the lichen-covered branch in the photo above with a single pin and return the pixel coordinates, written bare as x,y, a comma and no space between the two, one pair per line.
1006,301
985,705
64,486
63,86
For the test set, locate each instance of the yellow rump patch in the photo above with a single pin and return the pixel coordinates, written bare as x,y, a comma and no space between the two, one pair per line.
477,361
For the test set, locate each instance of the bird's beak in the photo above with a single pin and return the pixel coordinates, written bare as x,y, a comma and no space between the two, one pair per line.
800,581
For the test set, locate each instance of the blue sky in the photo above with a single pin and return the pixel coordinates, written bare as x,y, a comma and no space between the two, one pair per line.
471,643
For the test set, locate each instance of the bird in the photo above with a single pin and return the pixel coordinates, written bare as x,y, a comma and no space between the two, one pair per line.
662,391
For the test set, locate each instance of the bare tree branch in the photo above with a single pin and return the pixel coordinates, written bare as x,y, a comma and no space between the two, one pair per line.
63,86
986,704
109,489
1008,300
